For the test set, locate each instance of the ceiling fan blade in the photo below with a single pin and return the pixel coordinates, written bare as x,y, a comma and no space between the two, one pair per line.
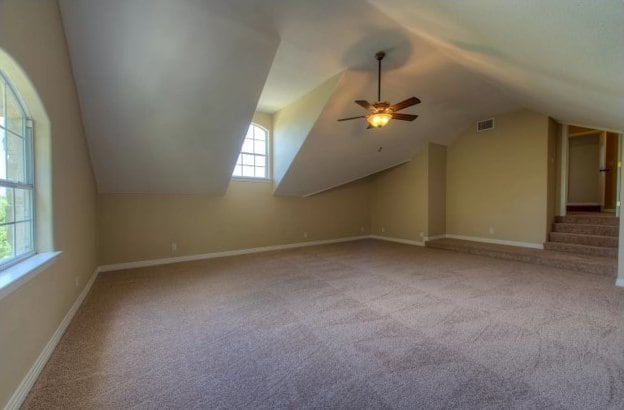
404,104
352,118
369,127
404,117
363,104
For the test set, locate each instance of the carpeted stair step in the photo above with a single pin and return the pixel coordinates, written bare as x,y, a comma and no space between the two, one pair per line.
588,220
586,229
564,260
590,240
581,249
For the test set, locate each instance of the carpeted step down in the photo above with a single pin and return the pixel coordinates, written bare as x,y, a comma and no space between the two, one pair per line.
588,220
564,260
590,240
604,230
581,249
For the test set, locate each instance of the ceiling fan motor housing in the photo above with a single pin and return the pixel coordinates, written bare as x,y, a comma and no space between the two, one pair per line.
381,112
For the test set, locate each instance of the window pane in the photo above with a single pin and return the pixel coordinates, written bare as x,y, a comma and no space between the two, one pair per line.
16,166
6,237
259,161
260,147
238,171
6,205
249,132
23,204
3,144
248,171
248,159
23,237
2,121
248,146
261,172
259,133
15,116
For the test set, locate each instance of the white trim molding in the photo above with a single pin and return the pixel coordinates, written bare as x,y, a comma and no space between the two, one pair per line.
583,203
434,237
19,274
619,282
397,240
497,241
211,255
28,381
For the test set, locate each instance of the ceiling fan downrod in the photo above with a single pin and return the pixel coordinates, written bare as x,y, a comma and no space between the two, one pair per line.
379,56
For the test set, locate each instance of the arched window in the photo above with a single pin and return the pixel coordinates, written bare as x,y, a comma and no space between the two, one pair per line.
253,161
16,177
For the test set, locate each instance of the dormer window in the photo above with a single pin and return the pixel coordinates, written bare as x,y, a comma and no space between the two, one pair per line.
253,161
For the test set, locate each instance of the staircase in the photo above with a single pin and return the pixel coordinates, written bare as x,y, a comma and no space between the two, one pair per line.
585,234
581,242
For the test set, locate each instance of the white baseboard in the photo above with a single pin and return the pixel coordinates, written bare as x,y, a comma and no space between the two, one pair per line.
434,237
583,204
497,241
27,382
398,240
619,282
211,255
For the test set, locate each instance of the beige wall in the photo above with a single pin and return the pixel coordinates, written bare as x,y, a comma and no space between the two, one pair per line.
408,201
554,166
584,166
497,180
436,189
134,227
399,200
31,33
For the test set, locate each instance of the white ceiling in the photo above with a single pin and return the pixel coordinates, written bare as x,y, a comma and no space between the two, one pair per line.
561,57
168,88
335,153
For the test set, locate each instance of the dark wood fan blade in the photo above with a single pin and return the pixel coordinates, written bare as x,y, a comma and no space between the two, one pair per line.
404,104
364,104
352,118
404,117
369,126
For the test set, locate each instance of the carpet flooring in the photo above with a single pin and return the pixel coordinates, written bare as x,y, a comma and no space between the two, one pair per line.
366,324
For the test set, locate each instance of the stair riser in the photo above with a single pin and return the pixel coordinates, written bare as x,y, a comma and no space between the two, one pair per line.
588,220
605,241
562,264
603,230
581,249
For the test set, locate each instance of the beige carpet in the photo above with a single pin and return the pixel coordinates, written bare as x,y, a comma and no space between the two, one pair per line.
361,325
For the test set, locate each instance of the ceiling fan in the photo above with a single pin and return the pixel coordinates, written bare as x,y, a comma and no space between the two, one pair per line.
381,112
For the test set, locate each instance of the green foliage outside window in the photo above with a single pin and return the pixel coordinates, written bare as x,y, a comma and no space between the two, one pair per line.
5,245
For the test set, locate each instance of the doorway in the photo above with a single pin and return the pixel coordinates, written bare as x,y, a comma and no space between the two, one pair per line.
593,170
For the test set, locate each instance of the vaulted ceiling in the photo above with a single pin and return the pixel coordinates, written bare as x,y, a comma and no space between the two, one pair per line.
167,89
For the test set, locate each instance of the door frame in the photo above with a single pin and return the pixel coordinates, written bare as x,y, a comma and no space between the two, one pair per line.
564,152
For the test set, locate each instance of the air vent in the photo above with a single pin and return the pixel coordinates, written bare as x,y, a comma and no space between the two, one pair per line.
485,125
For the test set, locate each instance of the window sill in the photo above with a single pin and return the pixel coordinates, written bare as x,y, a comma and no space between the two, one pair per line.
17,275
250,179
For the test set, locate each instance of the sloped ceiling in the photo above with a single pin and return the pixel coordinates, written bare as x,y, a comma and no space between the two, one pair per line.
168,88
560,57
335,153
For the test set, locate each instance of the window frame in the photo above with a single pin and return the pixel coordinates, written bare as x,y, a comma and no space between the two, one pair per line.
29,169
267,157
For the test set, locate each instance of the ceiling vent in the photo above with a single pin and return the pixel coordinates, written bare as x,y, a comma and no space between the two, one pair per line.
485,125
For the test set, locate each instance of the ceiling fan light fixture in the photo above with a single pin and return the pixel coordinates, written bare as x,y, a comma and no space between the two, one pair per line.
379,119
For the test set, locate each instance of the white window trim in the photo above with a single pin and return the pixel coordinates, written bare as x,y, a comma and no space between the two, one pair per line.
252,179
28,139
20,273
269,162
